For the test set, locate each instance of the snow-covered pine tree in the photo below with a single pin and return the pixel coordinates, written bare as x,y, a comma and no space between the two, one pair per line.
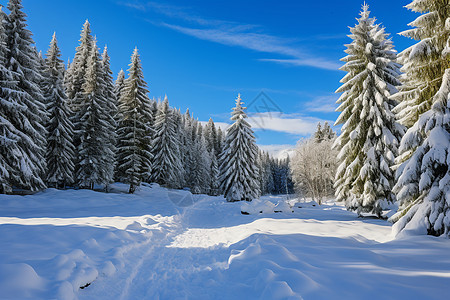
74,80
423,174
423,187
94,148
370,135
239,170
8,133
186,148
328,133
24,103
110,114
219,144
318,135
200,165
133,147
166,161
211,135
270,185
214,186
60,150
118,87
423,63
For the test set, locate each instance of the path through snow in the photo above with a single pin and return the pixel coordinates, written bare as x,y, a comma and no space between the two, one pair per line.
161,244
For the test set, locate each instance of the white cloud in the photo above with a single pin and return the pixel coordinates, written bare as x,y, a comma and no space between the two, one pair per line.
324,104
288,123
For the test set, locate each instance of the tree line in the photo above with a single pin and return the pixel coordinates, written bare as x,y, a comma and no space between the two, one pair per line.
76,127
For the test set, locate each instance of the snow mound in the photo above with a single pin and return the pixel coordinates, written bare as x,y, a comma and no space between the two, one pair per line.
257,206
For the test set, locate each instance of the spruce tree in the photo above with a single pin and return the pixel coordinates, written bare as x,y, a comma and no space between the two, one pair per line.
370,135
133,150
60,150
110,114
94,148
200,166
24,102
423,173
214,185
118,87
165,146
425,62
211,136
319,135
74,80
423,187
8,133
239,170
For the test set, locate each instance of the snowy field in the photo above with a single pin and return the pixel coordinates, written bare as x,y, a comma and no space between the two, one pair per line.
163,244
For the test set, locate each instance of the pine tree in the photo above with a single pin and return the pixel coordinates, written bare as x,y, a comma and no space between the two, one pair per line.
94,148
423,187
110,115
75,79
118,87
165,146
239,170
219,143
370,135
8,133
211,136
214,186
133,151
319,135
23,128
328,133
200,165
423,172
424,63
60,150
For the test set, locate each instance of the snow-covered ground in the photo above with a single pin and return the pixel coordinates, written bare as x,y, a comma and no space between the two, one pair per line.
164,244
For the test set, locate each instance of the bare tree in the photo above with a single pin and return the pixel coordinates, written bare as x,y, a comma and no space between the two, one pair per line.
313,168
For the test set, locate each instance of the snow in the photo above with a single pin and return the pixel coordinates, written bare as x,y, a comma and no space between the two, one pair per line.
170,244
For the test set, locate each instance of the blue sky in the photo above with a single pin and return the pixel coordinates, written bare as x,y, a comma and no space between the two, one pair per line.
202,53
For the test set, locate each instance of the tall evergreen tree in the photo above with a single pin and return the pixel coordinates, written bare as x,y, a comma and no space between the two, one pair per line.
60,150
8,133
423,172
370,135
118,87
423,187
214,185
94,148
239,170
110,114
165,146
25,103
200,166
75,79
424,63
133,151
211,136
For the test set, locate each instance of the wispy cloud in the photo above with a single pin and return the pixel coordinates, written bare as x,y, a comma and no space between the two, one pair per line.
310,62
239,36
323,104
296,124
247,36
